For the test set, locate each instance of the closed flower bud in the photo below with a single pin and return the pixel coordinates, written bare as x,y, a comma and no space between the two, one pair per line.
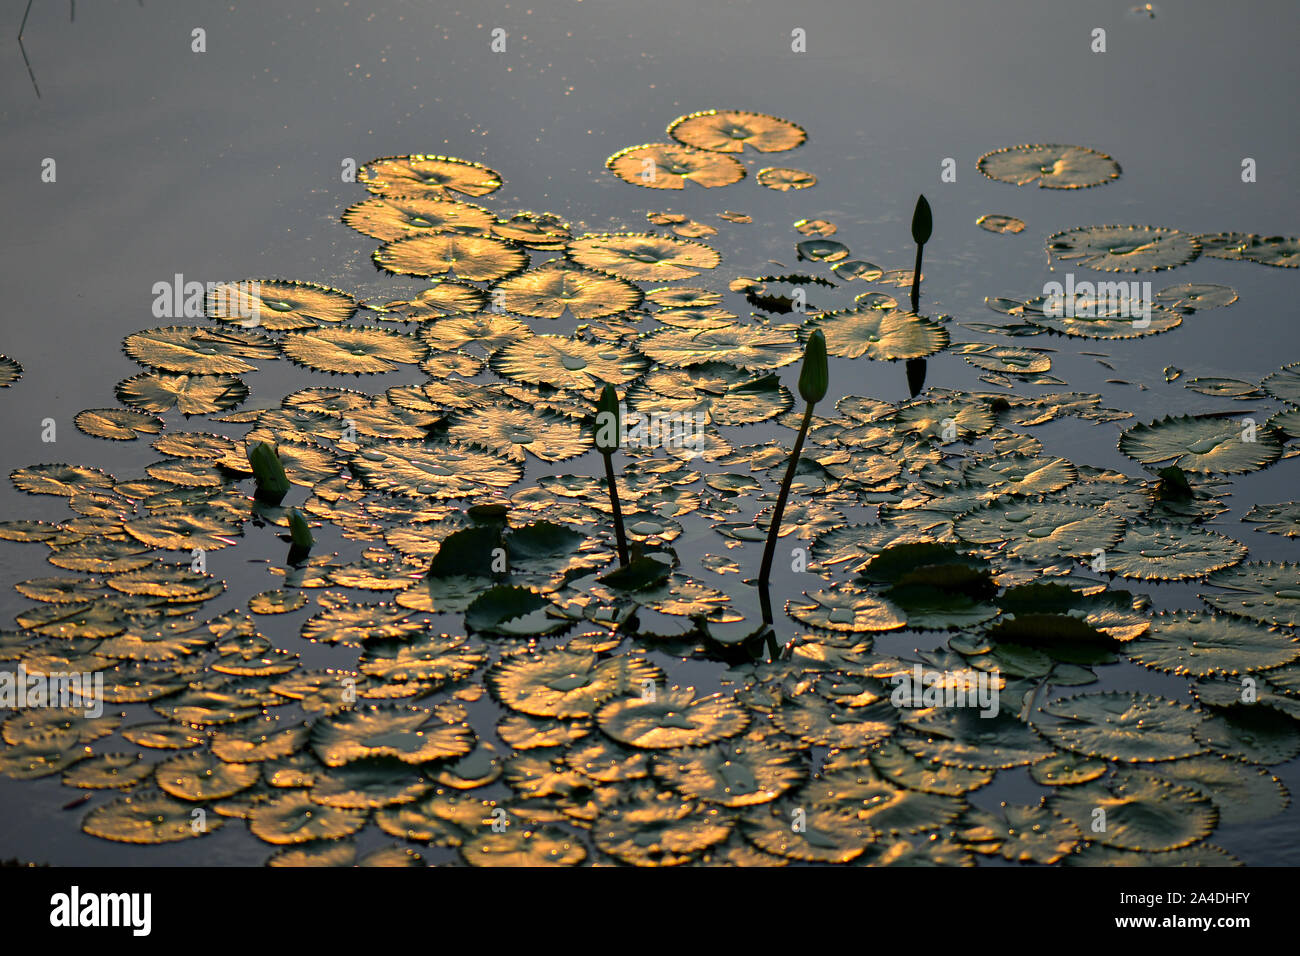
814,377
608,421
922,222
272,483
299,533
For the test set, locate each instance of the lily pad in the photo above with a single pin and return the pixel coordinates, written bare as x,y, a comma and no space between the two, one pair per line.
670,166
730,131
1124,248
1215,444
1050,166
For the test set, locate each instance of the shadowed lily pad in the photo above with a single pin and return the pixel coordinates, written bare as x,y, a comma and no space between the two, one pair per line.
148,817
1265,591
1124,248
1129,727
1171,553
1144,813
1050,166
1217,444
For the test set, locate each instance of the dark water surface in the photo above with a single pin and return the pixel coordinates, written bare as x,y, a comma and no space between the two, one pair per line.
226,164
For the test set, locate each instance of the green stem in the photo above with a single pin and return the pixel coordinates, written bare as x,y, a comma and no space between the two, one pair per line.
916,277
618,511
775,530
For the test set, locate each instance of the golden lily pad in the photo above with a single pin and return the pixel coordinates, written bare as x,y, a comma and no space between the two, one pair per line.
198,351
276,601
846,610
512,431
108,772
428,470
412,735
354,624
491,332
202,777
352,350
672,717
428,177
182,532
294,818
189,394
722,394
440,659
567,684
643,256
479,258
396,218
117,424
670,166
517,846
730,131
535,230
368,786
733,773
1281,251
149,817
58,479
891,335
807,834
784,179
748,347
441,300
278,304
562,362
659,832
554,287
995,222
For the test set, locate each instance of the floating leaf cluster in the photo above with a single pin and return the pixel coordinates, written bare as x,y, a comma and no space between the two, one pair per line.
460,660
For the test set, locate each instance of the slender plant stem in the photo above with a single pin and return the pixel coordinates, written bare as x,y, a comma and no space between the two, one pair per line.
23,48
916,277
775,530
618,511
